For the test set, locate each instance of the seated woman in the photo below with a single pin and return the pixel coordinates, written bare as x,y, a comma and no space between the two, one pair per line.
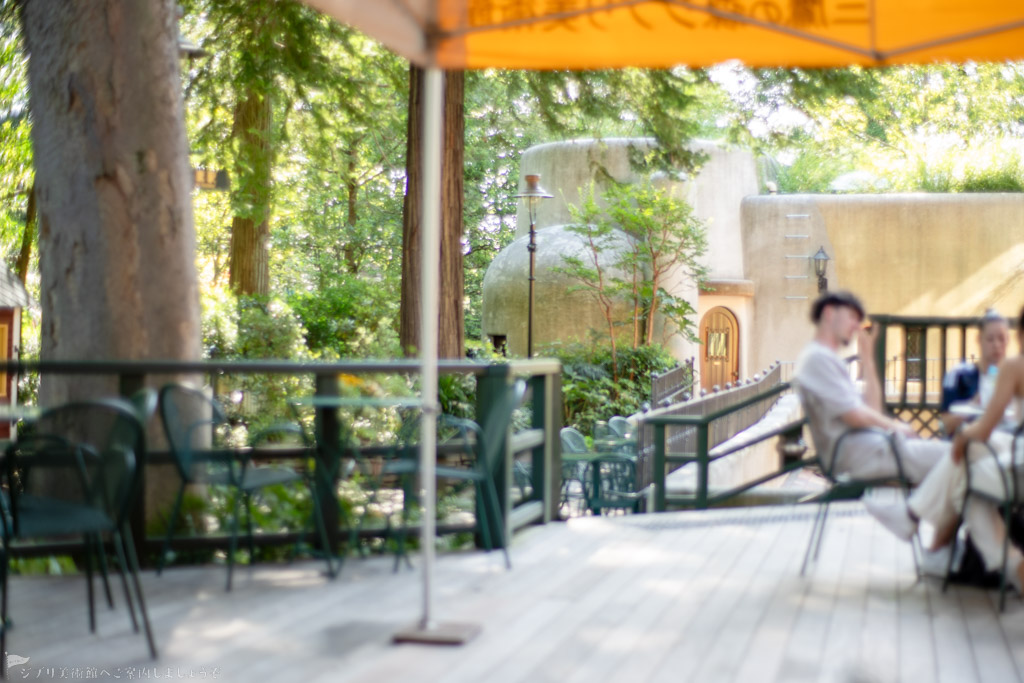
971,382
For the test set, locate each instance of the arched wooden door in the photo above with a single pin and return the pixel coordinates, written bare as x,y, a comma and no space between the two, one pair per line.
720,358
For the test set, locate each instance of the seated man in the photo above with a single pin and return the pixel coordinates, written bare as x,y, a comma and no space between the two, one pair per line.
973,382
833,404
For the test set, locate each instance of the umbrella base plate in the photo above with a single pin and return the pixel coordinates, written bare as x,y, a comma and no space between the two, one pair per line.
443,633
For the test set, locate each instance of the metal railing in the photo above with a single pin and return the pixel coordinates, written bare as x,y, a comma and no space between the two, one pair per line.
538,446
667,456
711,420
913,354
673,386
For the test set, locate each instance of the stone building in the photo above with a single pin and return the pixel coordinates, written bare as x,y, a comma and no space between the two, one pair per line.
904,254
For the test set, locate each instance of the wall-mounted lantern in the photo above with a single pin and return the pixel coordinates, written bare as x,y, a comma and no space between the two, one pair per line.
821,260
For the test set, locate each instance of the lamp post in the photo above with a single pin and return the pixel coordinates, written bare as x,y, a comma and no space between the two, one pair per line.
532,194
821,260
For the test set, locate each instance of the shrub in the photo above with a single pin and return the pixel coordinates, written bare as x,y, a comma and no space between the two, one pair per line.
588,391
354,318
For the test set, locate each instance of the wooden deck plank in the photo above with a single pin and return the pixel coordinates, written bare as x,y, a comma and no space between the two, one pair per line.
818,599
992,660
683,609
766,652
586,591
719,595
880,646
628,619
568,652
954,662
580,612
712,596
739,631
917,652
842,654
668,612
558,581
1012,625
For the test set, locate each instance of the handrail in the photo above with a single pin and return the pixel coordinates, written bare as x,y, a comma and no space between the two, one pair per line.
544,381
702,456
694,420
720,431
276,366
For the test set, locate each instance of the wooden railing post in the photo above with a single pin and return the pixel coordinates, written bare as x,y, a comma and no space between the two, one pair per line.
879,350
701,502
547,459
328,431
658,475
488,385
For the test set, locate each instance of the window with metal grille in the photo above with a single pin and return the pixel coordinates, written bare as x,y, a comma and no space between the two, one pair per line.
718,344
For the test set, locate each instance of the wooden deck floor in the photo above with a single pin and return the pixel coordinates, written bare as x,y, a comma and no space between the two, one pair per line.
712,596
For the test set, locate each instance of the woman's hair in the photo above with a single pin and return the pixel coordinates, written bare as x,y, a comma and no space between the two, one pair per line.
1020,321
993,316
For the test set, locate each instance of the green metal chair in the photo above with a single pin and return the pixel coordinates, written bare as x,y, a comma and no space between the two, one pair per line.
1008,502
573,470
612,484
621,427
191,421
483,447
615,436
845,487
77,474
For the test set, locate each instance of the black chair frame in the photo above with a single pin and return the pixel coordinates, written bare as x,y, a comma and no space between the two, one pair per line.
1007,504
843,487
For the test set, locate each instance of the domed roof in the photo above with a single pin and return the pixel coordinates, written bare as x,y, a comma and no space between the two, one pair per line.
563,310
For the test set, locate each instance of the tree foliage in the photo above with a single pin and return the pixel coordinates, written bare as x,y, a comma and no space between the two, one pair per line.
941,127
267,62
338,137
17,172
664,240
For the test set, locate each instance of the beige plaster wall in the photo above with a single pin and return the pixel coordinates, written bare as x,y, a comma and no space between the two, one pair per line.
911,254
562,311
927,254
565,168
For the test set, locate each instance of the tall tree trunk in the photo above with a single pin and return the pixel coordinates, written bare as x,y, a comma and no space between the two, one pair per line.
451,331
27,237
249,267
352,249
451,338
116,237
117,242
409,309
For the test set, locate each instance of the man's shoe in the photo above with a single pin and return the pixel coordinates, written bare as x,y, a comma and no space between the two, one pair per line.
894,516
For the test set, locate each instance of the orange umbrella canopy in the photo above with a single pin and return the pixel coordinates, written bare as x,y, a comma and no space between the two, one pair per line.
593,34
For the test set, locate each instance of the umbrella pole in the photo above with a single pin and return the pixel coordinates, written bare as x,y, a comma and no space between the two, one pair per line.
430,257
427,630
